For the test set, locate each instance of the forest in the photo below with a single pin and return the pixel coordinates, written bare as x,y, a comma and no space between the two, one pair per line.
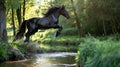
92,33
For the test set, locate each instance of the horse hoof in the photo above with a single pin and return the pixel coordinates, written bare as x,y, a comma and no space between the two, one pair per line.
58,33
26,42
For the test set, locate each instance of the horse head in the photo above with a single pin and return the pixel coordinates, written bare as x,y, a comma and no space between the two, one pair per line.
64,12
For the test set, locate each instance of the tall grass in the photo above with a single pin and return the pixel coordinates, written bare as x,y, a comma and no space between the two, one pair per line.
95,52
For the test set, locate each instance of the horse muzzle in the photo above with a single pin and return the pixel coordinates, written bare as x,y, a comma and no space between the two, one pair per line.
68,17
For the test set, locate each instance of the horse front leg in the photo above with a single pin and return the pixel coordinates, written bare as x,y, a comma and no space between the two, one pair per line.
56,26
58,32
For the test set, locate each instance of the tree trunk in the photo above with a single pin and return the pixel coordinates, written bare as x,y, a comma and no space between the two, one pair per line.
13,22
114,30
77,20
104,28
24,4
18,12
3,32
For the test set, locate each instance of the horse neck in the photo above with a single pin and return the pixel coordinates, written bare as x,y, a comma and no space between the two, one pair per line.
56,15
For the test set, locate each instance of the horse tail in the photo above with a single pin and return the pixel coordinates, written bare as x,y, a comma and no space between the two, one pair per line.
21,31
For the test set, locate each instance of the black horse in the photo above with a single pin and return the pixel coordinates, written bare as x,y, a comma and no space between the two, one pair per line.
50,20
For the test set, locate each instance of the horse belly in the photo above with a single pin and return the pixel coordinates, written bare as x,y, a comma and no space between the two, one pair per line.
43,22
43,25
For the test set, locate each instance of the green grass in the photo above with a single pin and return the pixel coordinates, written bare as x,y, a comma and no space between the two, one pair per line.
57,48
99,52
73,40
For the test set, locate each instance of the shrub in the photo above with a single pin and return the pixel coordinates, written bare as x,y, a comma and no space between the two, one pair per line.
3,51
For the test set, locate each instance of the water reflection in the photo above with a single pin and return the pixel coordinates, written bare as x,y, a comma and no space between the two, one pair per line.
61,59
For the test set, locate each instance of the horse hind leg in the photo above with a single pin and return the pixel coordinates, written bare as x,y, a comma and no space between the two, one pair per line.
29,33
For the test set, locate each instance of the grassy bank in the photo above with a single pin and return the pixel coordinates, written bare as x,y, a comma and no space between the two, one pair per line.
99,51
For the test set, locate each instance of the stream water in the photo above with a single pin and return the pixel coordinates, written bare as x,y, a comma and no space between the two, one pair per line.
58,59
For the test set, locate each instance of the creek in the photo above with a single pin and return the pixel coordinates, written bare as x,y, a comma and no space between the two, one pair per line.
56,59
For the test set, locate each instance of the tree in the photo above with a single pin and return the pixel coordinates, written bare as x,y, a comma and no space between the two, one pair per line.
77,20
24,4
13,5
99,17
18,12
3,32
13,22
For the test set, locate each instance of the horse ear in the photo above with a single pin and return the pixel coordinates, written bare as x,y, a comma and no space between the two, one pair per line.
62,7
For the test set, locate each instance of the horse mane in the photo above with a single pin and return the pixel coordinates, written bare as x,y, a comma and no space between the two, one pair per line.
51,10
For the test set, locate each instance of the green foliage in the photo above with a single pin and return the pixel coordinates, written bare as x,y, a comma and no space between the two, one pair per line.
58,2
3,51
13,4
94,52
99,16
